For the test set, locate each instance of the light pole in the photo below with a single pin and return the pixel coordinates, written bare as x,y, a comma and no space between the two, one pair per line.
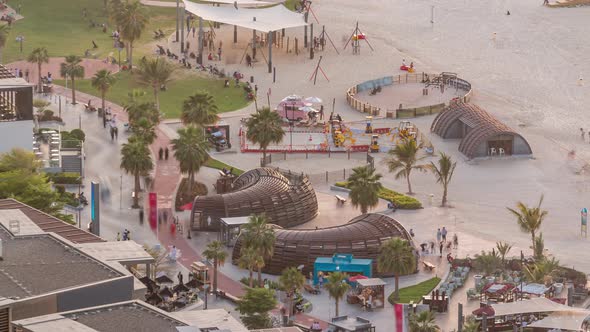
20,39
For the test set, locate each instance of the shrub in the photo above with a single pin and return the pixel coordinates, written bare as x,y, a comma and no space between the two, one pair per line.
48,115
182,198
65,178
401,201
271,284
78,134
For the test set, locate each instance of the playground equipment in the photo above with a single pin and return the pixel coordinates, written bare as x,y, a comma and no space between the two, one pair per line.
439,80
369,128
374,143
407,130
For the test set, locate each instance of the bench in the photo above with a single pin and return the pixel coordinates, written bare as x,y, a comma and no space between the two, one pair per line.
311,289
228,296
340,199
428,266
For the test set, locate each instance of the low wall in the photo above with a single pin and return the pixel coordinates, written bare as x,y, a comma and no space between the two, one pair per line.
366,107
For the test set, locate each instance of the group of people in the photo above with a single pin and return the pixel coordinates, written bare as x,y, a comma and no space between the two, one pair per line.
163,153
126,235
441,239
583,135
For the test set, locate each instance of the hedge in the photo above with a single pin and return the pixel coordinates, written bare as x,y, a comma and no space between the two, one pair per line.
401,201
65,178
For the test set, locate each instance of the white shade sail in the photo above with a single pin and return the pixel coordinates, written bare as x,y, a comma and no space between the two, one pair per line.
261,19
571,321
535,305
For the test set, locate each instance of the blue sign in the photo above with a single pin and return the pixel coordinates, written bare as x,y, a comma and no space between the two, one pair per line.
92,200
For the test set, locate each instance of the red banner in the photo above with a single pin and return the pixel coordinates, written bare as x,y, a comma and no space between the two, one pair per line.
153,201
398,310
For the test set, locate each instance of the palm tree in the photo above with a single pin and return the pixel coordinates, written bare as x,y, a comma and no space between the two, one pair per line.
102,81
471,325
144,130
217,254
190,149
39,56
397,257
131,18
73,69
259,236
529,219
364,187
537,272
265,127
423,322
337,287
137,110
403,159
155,73
250,259
4,30
503,250
136,160
199,109
291,280
539,247
444,173
487,262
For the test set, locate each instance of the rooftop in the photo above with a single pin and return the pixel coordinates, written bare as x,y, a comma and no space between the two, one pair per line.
48,223
131,316
28,260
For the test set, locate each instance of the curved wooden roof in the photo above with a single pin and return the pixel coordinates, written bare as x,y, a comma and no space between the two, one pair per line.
482,125
362,237
287,200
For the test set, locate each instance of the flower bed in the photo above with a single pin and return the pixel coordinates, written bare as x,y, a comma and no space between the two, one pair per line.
401,201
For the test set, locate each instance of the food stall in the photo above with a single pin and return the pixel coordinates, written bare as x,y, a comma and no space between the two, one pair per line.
342,263
369,292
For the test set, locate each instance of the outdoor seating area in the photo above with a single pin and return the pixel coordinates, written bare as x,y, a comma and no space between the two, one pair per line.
369,293
350,324
46,147
170,298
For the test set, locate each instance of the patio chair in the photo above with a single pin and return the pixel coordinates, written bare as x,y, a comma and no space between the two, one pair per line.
501,151
492,151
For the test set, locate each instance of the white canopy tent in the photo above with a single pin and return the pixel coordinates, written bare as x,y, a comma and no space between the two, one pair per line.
535,305
268,20
567,320
261,19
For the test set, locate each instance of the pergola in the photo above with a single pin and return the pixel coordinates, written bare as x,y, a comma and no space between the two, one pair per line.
268,20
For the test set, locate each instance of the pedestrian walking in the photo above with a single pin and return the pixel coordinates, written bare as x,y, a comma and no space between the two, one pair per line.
583,133
441,247
432,247
125,234
455,241
321,279
166,152
27,75
160,153
116,132
112,134
219,53
141,216
118,236
248,60
19,8
194,29
438,233
444,234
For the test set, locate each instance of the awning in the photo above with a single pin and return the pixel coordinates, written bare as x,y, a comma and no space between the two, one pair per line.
570,320
261,19
540,304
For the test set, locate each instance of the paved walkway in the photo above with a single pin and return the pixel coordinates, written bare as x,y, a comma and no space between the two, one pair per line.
91,66
160,3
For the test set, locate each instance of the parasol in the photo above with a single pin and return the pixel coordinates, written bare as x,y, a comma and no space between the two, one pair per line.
307,109
180,288
357,277
314,100
487,310
166,292
163,279
292,98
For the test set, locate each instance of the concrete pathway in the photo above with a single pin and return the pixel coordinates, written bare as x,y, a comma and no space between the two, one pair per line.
160,3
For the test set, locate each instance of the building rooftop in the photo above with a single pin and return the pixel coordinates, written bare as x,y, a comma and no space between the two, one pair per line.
131,316
42,263
48,223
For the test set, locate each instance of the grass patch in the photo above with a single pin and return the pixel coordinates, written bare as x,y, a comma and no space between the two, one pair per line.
60,26
401,201
227,99
291,4
216,164
415,293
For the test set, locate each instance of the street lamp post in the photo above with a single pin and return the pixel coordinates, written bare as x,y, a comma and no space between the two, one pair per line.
20,39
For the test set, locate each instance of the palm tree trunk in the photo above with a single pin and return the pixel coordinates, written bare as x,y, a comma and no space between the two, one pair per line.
130,55
409,184
363,209
337,307
137,187
156,98
73,90
444,198
534,244
263,157
396,296
41,83
189,185
215,276
260,277
104,111
251,280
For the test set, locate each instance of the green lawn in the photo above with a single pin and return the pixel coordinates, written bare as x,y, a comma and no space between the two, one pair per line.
415,293
227,99
59,26
216,164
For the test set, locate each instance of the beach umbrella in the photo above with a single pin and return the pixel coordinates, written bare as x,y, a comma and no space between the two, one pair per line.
292,98
314,100
154,299
166,292
180,288
193,283
163,279
487,310
307,109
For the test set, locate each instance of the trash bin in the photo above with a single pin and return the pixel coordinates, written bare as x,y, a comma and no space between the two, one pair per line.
478,279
